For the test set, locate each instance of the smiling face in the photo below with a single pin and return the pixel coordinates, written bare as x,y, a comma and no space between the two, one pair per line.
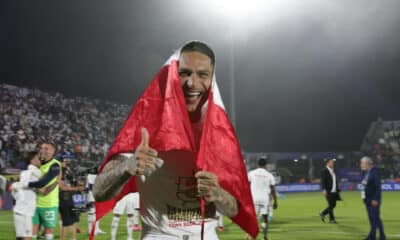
196,72
46,152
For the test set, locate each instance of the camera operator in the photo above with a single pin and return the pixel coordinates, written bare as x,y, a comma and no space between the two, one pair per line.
68,188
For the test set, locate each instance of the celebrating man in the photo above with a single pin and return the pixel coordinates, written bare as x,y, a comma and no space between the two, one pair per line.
25,199
181,111
46,213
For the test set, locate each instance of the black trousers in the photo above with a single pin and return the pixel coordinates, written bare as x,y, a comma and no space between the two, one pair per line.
331,198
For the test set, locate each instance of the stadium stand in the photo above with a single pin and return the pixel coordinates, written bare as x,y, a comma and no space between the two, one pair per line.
79,125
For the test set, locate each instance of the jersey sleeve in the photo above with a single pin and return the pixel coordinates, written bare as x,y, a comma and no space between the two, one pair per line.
53,172
24,177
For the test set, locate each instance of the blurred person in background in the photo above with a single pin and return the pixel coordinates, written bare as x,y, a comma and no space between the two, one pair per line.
25,198
130,205
262,185
91,213
372,196
330,189
46,213
69,216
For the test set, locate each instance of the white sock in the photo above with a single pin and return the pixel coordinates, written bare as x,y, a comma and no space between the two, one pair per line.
90,219
136,216
114,227
49,236
129,224
263,225
98,226
220,221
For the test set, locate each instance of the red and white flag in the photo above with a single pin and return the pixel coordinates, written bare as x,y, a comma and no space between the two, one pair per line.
162,110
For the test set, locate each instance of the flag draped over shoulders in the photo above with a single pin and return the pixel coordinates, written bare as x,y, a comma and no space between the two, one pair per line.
161,109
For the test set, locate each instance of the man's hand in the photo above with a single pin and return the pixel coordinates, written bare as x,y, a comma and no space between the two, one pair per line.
146,157
325,193
374,203
123,166
208,186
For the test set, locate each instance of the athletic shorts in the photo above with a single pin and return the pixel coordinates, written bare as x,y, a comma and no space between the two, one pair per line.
68,217
262,208
46,217
127,204
23,225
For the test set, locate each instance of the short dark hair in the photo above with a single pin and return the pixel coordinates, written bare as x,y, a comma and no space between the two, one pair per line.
262,161
197,46
49,142
29,156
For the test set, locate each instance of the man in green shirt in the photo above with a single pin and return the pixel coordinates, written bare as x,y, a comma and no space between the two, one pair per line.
46,213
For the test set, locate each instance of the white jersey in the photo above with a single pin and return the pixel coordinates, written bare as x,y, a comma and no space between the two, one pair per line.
170,207
25,199
260,184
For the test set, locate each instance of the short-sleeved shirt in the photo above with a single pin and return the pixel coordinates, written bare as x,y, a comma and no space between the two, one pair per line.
260,184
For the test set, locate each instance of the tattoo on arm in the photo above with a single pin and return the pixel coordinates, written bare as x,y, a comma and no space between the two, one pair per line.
113,177
226,203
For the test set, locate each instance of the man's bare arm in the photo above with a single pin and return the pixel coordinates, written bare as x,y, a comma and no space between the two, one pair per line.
113,177
209,188
122,167
274,196
226,203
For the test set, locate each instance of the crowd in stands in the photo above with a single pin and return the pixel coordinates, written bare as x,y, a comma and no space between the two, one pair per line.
83,126
382,141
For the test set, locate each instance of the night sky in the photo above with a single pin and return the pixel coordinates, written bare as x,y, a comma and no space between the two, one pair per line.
310,75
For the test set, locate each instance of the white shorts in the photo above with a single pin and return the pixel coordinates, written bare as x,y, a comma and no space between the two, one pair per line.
127,204
23,225
262,208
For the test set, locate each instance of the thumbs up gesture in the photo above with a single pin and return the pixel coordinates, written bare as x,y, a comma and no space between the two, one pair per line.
146,157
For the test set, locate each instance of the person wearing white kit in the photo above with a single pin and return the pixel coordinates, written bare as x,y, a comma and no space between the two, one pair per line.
129,205
91,214
25,198
262,185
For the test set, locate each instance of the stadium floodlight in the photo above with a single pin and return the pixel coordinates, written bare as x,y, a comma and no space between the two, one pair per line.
236,9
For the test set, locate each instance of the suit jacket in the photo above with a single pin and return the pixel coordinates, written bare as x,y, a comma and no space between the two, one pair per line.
373,186
327,181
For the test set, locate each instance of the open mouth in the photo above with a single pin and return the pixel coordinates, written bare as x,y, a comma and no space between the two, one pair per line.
192,96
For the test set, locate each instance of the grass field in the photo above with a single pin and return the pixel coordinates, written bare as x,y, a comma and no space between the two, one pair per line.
296,219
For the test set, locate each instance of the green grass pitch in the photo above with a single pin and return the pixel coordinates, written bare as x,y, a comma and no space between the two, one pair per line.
295,219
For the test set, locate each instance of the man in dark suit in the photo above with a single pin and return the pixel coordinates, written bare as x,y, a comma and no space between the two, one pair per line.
330,189
371,195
